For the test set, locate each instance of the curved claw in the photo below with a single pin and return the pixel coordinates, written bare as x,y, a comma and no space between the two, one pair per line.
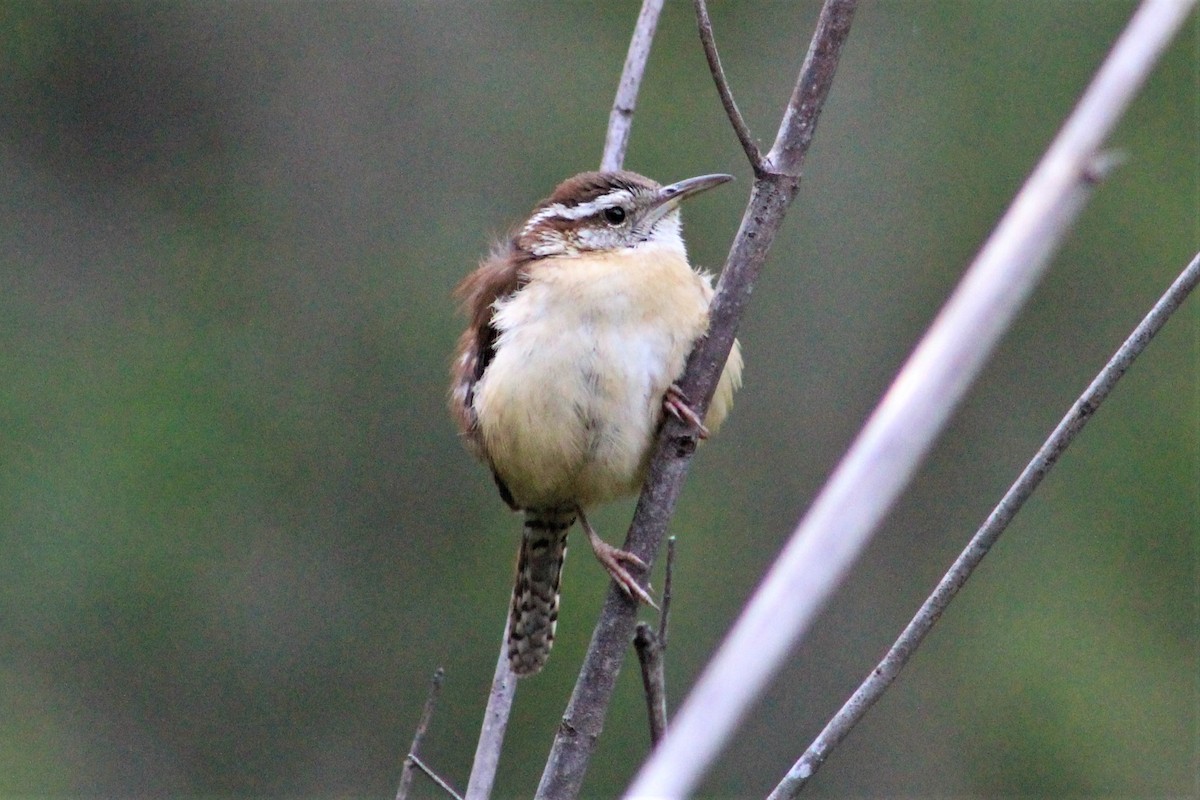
677,404
626,581
611,557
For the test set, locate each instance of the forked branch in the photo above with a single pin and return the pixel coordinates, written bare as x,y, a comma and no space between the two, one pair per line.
413,762
770,198
650,658
651,649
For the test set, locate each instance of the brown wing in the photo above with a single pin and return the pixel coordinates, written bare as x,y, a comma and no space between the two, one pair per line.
497,276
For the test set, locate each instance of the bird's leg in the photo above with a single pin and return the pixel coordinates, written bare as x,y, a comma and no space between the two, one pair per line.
678,406
611,557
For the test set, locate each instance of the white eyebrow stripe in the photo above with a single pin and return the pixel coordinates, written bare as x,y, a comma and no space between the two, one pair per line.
581,211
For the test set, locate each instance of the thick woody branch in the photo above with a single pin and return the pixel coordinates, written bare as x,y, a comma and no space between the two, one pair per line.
770,198
981,543
903,427
816,76
504,682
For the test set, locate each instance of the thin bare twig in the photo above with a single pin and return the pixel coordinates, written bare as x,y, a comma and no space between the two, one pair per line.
651,649
718,72
903,427
504,682
433,776
770,198
620,120
1043,461
664,616
650,657
411,760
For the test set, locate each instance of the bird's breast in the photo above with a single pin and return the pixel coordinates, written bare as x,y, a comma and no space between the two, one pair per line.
569,404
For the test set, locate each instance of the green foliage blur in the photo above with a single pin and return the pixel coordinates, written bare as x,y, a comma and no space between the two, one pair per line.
237,532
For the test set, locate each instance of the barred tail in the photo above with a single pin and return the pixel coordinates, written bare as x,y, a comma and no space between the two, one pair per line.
535,596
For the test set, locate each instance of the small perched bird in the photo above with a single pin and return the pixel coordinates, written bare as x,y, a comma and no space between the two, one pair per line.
579,325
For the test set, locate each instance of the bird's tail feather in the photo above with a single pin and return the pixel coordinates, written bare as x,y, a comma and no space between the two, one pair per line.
534,611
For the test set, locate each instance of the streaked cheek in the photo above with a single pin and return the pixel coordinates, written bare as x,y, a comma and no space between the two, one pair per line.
598,239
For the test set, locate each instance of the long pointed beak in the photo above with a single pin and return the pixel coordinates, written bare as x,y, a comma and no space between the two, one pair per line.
669,197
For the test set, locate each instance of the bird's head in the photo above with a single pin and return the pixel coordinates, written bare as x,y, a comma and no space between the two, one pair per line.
608,211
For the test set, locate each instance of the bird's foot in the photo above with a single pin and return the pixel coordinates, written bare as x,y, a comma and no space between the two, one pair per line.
677,404
613,560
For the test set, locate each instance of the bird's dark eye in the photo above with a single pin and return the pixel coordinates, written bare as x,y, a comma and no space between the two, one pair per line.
614,215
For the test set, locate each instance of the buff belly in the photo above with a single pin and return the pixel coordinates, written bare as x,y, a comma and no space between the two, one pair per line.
568,407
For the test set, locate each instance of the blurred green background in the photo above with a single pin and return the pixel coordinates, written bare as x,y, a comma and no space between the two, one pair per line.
238,532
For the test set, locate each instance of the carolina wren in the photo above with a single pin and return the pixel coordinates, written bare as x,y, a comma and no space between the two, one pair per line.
580,324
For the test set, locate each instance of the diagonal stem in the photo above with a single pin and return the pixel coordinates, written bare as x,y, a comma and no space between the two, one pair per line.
495,723
1043,461
620,120
406,775
433,776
